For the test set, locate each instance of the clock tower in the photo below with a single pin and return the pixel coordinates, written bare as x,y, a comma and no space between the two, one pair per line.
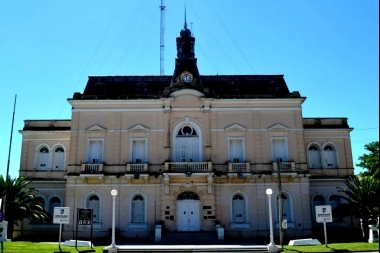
186,73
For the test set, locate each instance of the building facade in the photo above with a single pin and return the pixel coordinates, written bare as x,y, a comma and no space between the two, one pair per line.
187,151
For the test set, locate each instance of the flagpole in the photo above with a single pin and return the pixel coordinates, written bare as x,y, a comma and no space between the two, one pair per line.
10,141
9,158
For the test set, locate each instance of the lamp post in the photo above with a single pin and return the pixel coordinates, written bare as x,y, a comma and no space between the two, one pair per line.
113,194
271,246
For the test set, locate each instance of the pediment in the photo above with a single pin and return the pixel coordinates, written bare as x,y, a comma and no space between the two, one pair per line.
96,128
140,128
235,127
278,127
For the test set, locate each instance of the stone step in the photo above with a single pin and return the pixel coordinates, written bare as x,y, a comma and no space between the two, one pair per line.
192,248
173,238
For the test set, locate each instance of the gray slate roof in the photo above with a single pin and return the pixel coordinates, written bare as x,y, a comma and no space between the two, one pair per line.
213,86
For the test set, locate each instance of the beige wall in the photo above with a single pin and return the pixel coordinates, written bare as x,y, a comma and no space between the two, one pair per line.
256,121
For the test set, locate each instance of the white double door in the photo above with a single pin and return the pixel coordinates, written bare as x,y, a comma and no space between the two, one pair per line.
187,149
188,215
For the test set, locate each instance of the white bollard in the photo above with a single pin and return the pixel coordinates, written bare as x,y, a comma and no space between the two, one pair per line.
373,234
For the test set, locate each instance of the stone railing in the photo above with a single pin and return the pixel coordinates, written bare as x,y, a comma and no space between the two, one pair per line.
238,167
188,166
134,167
285,166
92,167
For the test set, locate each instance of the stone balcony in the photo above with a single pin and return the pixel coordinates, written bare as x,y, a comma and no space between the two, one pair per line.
92,168
285,167
137,167
188,166
238,167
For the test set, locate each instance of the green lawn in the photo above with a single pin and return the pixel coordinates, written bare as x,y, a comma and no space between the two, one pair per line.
45,247
334,247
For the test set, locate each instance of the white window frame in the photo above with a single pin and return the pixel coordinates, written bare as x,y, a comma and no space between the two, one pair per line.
243,149
131,149
101,160
286,146
244,225
58,145
323,155
313,143
336,218
138,225
290,217
192,124
97,225
313,206
43,197
36,157
48,204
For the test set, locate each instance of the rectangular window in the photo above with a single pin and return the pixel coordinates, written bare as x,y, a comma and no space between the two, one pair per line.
236,151
139,151
95,151
279,149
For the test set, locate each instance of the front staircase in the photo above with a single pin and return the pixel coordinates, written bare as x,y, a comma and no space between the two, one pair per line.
190,238
200,241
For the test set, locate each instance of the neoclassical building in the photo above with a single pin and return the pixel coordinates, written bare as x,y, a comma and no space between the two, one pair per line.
187,151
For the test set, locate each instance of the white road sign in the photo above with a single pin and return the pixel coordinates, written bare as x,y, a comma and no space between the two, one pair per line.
61,215
323,213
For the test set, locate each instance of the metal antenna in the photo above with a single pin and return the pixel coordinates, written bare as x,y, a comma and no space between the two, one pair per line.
185,25
162,38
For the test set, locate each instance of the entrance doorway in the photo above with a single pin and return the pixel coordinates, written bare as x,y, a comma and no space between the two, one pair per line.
188,212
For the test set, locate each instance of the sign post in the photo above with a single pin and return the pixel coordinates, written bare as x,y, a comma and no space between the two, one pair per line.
61,216
84,218
323,214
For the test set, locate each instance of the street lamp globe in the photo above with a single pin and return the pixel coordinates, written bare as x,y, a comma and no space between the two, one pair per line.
114,193
269,191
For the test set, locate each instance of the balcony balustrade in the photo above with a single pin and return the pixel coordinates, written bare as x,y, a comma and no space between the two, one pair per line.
238,167
92,167
285,167
188,166
137,167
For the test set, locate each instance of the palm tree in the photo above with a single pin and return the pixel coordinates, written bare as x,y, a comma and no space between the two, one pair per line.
362,196
20,202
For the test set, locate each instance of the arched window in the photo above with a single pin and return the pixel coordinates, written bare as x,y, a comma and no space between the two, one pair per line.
287,208
187,146
59,159
314,157
334,202
187,195
318,200
40,199
238,209
138,209
42,158
93,202
54,202
329,157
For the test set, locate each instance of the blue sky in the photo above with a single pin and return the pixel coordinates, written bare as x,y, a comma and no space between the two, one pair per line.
327,50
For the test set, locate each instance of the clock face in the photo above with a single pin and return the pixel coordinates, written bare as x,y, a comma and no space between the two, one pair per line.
186,77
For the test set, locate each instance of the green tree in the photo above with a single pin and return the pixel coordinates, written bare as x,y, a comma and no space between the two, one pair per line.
370,161
362,196
20,202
